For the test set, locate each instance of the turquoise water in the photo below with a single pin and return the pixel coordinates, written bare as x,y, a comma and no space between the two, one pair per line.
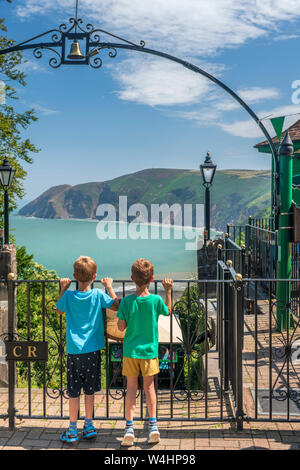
56,243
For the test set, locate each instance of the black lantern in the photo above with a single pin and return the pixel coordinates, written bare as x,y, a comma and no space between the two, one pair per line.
7,174
208,170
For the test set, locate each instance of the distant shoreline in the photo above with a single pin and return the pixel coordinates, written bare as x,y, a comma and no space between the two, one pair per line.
117,222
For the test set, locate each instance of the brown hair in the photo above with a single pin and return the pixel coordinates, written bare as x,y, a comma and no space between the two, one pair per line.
142,271
85,268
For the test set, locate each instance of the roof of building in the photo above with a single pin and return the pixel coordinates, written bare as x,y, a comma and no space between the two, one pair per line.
294,132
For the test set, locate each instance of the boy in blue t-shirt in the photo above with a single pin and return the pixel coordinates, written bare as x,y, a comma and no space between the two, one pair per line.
85,338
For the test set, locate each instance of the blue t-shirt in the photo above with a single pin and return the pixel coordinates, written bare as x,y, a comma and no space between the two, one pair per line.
85,331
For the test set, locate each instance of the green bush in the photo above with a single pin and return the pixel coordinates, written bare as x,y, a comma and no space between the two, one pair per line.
190,312
34,300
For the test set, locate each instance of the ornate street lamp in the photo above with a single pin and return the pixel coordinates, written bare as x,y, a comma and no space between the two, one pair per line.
7,174
208,170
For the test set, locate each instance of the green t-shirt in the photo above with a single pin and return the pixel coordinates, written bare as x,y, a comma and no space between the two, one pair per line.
141,316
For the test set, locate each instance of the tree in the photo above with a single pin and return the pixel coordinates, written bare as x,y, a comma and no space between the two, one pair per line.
12,123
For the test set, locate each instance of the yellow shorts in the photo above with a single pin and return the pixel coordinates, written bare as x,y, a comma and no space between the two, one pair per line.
133,366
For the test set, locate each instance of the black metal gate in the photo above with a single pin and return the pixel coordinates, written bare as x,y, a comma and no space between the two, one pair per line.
245,369
188,386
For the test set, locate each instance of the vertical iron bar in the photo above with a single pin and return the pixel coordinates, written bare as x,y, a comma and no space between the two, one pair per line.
156,376
124,394
288,322
255,346
61,366
206,353
270,352
28,339
11,364
171,357
189,352
106,377
44,339
239,332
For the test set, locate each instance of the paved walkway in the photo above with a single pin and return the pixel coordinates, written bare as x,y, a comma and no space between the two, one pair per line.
44,434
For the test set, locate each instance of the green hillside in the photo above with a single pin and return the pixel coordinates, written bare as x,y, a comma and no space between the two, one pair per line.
235,195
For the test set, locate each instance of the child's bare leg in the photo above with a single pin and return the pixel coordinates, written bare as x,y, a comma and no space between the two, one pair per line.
150,395
132,384
89,406
74,408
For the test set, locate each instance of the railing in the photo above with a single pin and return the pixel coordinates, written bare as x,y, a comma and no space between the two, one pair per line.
187,388
271,354
236,233
261,245
230,335
266,223
235,254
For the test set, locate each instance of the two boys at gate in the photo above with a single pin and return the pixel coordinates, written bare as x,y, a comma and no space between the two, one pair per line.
138,314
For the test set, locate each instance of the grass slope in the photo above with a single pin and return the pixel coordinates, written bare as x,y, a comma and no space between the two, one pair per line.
235,194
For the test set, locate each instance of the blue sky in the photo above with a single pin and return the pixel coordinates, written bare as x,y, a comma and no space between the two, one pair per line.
141,112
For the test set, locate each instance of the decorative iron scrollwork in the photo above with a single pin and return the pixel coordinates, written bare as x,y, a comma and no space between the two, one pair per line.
74,31
190,348
56,350
282,388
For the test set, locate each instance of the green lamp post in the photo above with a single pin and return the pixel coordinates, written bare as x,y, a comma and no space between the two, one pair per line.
283,288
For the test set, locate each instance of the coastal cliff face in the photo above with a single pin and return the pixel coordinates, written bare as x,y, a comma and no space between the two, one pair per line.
235,194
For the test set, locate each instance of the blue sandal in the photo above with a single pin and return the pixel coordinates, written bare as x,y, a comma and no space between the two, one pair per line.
69,436
89,432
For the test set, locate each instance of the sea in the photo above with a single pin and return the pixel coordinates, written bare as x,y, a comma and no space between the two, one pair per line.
56,243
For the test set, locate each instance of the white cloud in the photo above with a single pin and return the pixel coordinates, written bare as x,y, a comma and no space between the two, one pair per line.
285,37
43,109
202,117
249,129
159,82
40,108
192,27
258,94
189,29
250,96
32,66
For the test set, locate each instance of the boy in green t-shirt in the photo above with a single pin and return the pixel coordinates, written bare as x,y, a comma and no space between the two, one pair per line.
138,314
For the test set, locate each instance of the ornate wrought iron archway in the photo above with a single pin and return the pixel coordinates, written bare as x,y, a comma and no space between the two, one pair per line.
93,45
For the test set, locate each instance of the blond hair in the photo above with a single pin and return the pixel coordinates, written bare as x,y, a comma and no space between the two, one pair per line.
84,269
142,271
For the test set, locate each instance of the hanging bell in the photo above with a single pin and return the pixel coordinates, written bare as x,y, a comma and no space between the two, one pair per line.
75,52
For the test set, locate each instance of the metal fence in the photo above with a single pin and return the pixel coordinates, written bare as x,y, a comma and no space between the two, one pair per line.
187,388
258,366
235,254
230,336
260,243
271,354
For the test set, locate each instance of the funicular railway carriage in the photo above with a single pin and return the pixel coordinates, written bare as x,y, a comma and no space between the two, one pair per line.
115,353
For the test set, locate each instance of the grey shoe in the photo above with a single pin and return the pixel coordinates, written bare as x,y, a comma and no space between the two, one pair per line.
154,435
128,439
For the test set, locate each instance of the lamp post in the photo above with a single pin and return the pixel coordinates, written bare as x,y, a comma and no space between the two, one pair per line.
283,288
208,170
7,174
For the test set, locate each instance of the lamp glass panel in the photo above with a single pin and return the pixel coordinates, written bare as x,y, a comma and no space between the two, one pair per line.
208,174
6,177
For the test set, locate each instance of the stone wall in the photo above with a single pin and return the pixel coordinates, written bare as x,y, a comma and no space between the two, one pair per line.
207,264
8,264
